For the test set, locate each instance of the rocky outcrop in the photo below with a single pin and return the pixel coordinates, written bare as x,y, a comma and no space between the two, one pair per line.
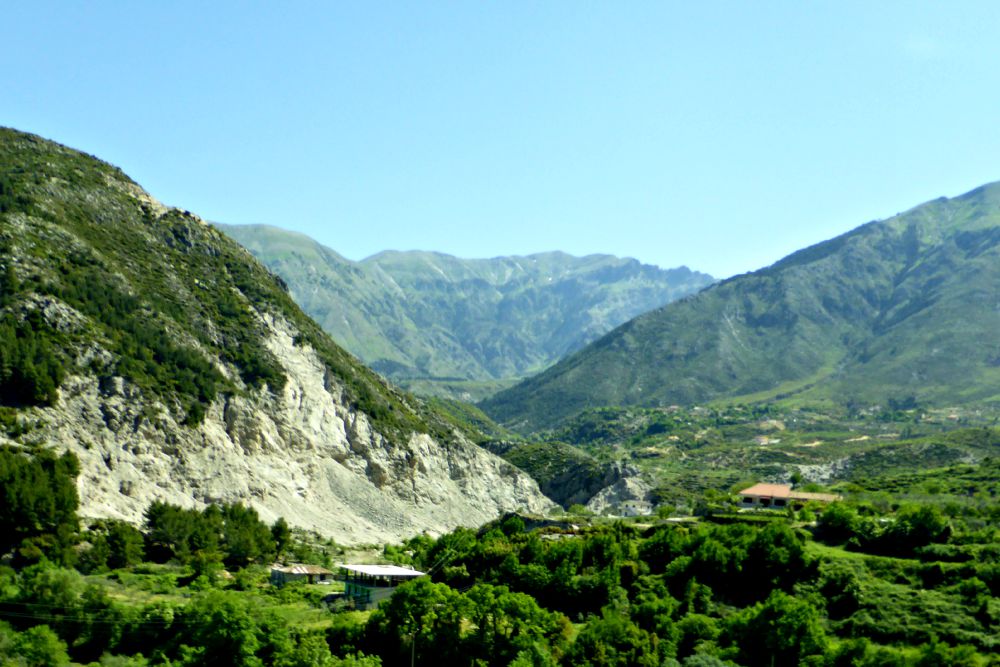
610,498
301,454
580,484
177,368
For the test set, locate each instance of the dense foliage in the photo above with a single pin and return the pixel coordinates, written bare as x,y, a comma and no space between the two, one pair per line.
51,613
907,583
38,500
743,592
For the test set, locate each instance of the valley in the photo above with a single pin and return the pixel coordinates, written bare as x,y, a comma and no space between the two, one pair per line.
463,328
173,427
545,334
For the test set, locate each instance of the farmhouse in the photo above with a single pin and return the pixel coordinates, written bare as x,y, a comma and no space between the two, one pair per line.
298,572
780,496
369,585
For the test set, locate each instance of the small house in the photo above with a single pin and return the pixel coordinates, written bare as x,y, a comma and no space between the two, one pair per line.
369,585
780,496
636,508
283,574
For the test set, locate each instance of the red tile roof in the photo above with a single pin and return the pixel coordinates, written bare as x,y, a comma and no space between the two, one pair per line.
785,491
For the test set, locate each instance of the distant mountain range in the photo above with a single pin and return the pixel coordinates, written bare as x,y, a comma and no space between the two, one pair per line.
904,310
463,328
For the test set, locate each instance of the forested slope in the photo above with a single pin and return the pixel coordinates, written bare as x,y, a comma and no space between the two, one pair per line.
905,307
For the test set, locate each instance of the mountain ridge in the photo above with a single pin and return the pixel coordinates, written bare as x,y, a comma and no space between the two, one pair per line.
845,319
177,368
452,326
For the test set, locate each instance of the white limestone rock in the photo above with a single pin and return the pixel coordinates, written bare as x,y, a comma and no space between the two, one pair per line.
302,454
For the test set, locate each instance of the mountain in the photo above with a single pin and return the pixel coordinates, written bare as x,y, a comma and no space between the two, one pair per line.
904,310
177,368
458,327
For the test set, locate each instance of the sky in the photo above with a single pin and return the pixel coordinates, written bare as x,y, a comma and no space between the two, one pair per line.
717,135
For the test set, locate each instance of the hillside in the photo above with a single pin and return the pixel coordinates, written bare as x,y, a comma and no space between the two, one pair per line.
177,368
442,325
902,309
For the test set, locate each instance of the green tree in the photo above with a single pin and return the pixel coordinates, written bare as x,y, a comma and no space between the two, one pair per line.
38,646
422,619
694,629
30,368
39,501
506,624
612,640
218,628
782,630
775,558
837,523
245,538
281,534
125,544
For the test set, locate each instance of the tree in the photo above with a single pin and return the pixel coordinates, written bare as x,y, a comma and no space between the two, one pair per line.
612,640
920,525
168,531
39,501
507,624
422,619
775,558
281,534
39,647
694,629
125,544
837,523
782,630
217,628
30,369
245,537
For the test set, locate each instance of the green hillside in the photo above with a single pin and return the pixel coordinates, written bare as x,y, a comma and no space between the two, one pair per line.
97,277
905,307
457,327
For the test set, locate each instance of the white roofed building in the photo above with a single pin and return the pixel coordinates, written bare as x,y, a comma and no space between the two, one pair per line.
369,585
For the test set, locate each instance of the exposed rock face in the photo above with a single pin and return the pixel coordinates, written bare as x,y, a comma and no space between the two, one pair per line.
630,486
301,454
177,368
580,484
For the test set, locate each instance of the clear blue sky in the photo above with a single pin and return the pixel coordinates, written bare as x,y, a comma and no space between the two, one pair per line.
721,135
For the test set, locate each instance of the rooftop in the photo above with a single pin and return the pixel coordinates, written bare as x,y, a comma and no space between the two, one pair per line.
382,570
785,491
299,568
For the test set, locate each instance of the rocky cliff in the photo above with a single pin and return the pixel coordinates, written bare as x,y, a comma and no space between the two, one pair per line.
178,369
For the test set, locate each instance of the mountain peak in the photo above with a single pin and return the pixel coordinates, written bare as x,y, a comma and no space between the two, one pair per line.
463,327
177,368
893,306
